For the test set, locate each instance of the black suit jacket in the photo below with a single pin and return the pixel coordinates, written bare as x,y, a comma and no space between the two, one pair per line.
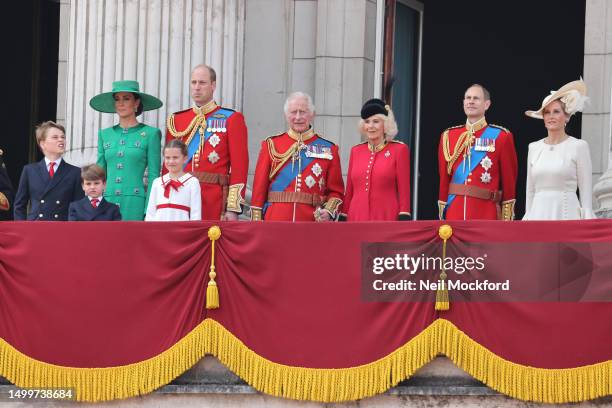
82,210
49,198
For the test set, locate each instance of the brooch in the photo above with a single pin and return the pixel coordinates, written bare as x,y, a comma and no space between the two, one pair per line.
317,170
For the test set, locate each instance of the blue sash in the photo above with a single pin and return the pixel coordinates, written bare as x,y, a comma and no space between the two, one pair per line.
288,173
220,117
461,174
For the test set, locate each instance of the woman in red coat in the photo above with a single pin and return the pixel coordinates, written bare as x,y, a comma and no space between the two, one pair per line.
378,180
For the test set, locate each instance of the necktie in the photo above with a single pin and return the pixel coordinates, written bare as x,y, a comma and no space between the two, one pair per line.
175,184
51,171
94,202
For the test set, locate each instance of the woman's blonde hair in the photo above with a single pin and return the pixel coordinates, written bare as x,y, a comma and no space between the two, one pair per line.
389,124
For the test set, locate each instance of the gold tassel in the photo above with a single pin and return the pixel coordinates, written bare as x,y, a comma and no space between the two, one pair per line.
212,290
442,299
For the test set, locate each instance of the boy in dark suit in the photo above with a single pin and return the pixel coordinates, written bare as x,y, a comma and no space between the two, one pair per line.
51,184
93,207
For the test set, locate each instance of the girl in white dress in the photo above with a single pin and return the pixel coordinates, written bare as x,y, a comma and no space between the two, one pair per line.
559,164
175,196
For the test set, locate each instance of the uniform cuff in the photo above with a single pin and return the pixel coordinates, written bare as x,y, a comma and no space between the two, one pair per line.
256,214
4,203
441,207
234,198
507,210
332,206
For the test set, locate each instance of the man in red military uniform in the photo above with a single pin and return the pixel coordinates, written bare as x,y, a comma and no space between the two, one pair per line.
477,165
298,175
216,140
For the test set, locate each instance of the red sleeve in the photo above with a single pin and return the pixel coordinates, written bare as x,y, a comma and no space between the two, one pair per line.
261,181
238,149
444,176
509,168
402,173
348,194
335,183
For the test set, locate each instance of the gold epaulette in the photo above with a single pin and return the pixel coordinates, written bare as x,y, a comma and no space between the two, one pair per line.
453,127
322,138
273,136
500,127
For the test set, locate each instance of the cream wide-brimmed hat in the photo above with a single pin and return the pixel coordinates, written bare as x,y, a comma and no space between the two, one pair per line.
573,95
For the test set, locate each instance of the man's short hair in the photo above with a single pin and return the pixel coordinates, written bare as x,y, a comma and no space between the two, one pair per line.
92,172
296,95
41,130
211,71
485,91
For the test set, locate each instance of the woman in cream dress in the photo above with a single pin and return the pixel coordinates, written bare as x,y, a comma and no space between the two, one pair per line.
559,164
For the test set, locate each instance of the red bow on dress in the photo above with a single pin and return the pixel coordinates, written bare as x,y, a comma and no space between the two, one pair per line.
175,184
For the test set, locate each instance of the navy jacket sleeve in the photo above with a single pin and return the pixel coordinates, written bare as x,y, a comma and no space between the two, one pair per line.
20,207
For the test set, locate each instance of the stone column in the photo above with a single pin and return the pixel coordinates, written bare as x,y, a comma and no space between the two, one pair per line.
596,118
156,42
344,68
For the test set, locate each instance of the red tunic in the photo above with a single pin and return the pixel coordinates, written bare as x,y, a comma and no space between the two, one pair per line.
321,177
502,175
226,155
378,183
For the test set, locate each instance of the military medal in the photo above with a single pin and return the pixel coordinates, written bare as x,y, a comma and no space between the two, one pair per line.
213,157
310,181
387,153
319,152
485,177
486,163
317,170
214,140
485,145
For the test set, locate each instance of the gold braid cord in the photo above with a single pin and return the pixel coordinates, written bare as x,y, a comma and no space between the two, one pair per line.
279,159
190,130
462,143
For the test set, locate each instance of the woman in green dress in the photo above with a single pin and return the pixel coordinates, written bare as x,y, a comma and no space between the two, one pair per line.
127,149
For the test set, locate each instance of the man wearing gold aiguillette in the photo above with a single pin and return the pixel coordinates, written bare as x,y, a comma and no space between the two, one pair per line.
6,191
298,176
216,139
477,165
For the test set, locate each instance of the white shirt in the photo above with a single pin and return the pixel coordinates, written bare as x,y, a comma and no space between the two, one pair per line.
57,164
184,204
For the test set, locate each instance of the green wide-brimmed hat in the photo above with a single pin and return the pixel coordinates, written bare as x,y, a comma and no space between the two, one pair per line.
105,102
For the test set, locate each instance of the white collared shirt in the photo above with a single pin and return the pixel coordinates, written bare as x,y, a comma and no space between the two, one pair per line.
57,163
96,198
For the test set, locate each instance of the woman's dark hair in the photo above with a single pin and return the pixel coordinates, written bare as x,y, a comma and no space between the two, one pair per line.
177,144
140,109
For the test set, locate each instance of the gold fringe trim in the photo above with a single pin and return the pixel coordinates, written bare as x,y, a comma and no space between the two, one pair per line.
299,383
